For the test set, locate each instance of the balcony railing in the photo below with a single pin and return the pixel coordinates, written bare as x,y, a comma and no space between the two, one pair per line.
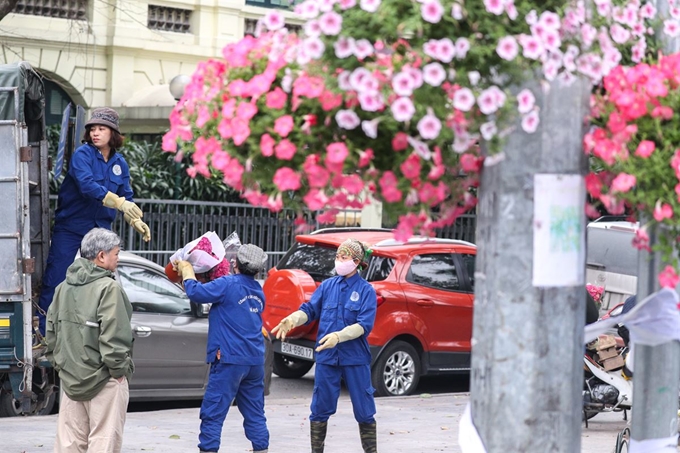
62,9
169,19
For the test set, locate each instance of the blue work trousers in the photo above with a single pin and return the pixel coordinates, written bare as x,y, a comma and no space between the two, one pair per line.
226,382
327,390
63,250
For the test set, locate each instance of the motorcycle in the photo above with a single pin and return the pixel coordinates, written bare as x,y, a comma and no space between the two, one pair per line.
606,390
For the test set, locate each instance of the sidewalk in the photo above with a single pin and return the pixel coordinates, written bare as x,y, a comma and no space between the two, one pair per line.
415,424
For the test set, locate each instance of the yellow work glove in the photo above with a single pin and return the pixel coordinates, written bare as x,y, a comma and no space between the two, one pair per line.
185,270
332,339
141,227
288,323
111,200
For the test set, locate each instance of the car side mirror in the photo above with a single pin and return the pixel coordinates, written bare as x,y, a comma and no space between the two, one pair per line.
200,310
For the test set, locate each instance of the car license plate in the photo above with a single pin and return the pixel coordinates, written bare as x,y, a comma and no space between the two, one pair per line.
299,351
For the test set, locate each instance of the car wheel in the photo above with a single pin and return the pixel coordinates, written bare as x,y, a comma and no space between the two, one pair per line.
289,368
397,370
9,407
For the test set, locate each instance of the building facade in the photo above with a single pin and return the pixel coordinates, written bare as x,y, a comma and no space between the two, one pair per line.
123,53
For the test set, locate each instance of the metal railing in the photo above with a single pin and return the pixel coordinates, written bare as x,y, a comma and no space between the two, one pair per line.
174,223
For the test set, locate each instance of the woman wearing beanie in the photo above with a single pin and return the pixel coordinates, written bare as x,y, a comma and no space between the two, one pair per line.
96,185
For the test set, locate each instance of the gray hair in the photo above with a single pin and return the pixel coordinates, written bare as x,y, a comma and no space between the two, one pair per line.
98,240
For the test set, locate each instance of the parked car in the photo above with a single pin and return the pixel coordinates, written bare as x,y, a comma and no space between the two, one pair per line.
170,336
612,259
424,291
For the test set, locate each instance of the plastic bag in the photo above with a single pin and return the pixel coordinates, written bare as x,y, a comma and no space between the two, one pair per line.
203,253
226,267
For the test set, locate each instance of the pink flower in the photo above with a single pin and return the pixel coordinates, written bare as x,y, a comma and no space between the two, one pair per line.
434,74
347,119
331,23
530,122
462,47
240,131
623,183
531,47
463,99
507,48
365,157
446,50
316,174
645,149
344,47
641,240
668,278
370,128
400,141
671,27
273,20
285,150
246,111
411,167
308,9
276,99
488,130
363,49
313,47
267,145
429,127
315,199
329,216
286,179
457,11
494,6
370,6
402,84
371,101
284,125
662,211
487,101
352,184
432,11
336,153
388,187
403,109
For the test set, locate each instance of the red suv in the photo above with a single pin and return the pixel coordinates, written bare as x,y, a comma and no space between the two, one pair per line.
424,291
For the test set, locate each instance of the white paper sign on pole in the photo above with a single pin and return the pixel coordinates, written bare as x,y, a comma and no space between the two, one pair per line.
559,222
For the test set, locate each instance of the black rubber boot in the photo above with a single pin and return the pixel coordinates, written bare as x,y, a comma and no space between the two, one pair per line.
369,437
317,431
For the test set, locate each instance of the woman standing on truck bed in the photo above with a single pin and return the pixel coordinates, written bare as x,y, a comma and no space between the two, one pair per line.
96,184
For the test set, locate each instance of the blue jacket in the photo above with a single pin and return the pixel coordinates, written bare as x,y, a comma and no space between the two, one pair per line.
88,180
235,319
337,303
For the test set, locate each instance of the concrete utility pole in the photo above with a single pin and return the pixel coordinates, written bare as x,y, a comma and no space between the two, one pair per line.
657,368
527,376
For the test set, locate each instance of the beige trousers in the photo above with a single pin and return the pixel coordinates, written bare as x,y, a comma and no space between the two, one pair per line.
95,425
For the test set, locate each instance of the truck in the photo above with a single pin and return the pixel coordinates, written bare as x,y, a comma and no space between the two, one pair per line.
27,381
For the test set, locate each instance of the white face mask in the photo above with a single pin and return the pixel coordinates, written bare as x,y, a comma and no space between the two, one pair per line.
344,267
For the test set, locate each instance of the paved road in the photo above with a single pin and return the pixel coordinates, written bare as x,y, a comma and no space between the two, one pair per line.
415,424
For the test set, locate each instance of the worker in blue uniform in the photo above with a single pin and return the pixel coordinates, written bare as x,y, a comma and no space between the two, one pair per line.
235,348
96,185
345,306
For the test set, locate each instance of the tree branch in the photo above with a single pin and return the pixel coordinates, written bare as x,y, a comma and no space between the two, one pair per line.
6,7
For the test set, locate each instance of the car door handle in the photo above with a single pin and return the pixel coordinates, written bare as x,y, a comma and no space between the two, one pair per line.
425,303
142,331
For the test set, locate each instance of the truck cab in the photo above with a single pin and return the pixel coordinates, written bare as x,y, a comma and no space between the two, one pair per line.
27,382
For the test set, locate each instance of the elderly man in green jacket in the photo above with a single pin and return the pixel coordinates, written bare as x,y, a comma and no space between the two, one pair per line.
89,342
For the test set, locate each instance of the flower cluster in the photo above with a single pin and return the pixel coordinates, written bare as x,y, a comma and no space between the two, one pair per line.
264,124
391,98
635,146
